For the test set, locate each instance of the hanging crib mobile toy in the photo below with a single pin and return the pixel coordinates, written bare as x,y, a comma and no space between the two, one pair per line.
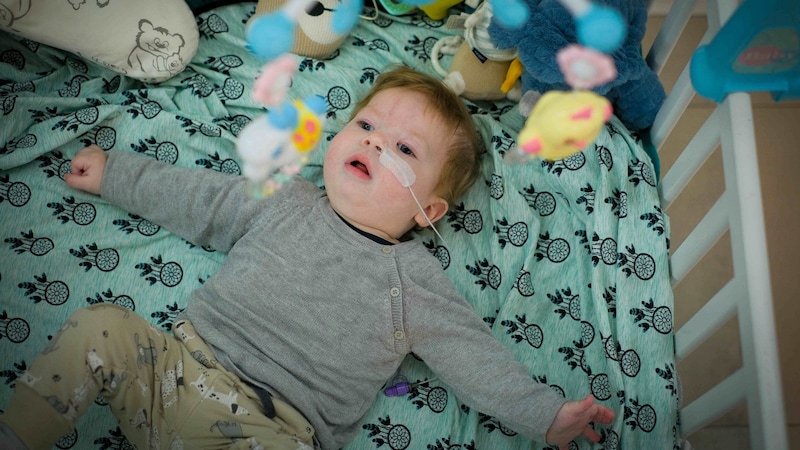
271,35
565,122
275,146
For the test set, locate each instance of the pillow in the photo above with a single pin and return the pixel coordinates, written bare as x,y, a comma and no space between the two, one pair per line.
150,40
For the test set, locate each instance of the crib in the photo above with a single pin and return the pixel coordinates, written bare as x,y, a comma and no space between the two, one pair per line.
574,277
748,294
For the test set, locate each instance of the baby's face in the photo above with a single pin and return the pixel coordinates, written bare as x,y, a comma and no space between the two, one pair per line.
366,193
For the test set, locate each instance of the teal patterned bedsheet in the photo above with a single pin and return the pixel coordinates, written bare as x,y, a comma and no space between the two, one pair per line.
565,261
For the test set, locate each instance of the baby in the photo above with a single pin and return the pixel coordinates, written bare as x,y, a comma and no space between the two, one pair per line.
321,297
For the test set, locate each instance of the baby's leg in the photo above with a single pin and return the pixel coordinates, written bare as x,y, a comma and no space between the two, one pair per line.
103,349
219,410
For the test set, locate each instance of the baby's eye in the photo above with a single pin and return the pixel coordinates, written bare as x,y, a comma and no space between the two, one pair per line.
364,125
406,150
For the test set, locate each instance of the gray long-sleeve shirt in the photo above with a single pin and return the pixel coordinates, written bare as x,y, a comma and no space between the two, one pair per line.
318,313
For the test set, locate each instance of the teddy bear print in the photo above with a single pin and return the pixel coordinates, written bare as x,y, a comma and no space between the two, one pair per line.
13,10
76,4
156,50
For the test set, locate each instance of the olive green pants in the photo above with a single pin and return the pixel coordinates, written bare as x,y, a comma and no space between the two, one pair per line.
167,391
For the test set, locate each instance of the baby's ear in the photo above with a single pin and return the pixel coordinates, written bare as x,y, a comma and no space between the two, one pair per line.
435,210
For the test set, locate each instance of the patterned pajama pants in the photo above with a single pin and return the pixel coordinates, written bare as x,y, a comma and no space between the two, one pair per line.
166,391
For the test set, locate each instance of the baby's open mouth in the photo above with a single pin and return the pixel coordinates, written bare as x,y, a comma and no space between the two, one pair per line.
360,166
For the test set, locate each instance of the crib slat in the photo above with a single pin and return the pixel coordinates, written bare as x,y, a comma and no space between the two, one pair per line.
714,403
718,310
674,105
696,153
668,34
700,240
766,415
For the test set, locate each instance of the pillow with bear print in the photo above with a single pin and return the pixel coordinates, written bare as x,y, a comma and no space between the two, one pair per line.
150,40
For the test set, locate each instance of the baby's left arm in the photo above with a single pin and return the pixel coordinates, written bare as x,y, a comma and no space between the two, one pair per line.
458,346
573,420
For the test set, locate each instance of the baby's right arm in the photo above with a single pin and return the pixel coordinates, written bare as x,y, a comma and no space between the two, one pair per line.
205,207
88,166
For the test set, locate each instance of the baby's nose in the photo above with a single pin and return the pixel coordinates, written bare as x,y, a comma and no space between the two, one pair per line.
374,142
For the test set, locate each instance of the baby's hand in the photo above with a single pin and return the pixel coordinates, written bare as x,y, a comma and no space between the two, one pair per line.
573,420
87,169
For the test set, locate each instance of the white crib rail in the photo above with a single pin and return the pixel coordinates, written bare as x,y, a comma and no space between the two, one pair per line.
739,210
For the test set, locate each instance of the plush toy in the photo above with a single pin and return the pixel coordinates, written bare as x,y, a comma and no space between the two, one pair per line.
302,27
562,123
275,146
478,69
636,93
509,13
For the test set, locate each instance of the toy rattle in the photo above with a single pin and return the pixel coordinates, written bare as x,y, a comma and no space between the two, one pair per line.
275,145
564,123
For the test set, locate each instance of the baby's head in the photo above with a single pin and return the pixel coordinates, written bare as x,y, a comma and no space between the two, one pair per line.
409,150
462,164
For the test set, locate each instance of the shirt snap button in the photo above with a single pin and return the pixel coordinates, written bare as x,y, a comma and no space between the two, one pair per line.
387,249
399,335
394,291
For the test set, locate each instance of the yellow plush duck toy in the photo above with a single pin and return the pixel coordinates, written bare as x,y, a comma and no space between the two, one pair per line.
563,123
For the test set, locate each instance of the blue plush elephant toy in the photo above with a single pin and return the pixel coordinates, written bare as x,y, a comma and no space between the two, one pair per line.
636,94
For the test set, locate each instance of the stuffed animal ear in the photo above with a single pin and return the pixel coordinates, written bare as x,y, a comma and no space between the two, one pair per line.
272,85
314,36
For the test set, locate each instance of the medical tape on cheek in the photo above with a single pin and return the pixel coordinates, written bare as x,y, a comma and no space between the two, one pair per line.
401,170
406,176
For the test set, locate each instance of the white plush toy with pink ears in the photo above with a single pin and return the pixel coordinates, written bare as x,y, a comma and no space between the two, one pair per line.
275,146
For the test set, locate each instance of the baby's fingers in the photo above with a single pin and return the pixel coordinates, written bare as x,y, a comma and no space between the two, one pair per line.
87,169
603,414
82,181
88,157
591,434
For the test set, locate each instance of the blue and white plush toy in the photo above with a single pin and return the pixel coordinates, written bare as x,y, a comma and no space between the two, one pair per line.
636,93
275,145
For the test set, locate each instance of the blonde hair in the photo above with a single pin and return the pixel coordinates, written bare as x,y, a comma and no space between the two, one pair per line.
462,165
